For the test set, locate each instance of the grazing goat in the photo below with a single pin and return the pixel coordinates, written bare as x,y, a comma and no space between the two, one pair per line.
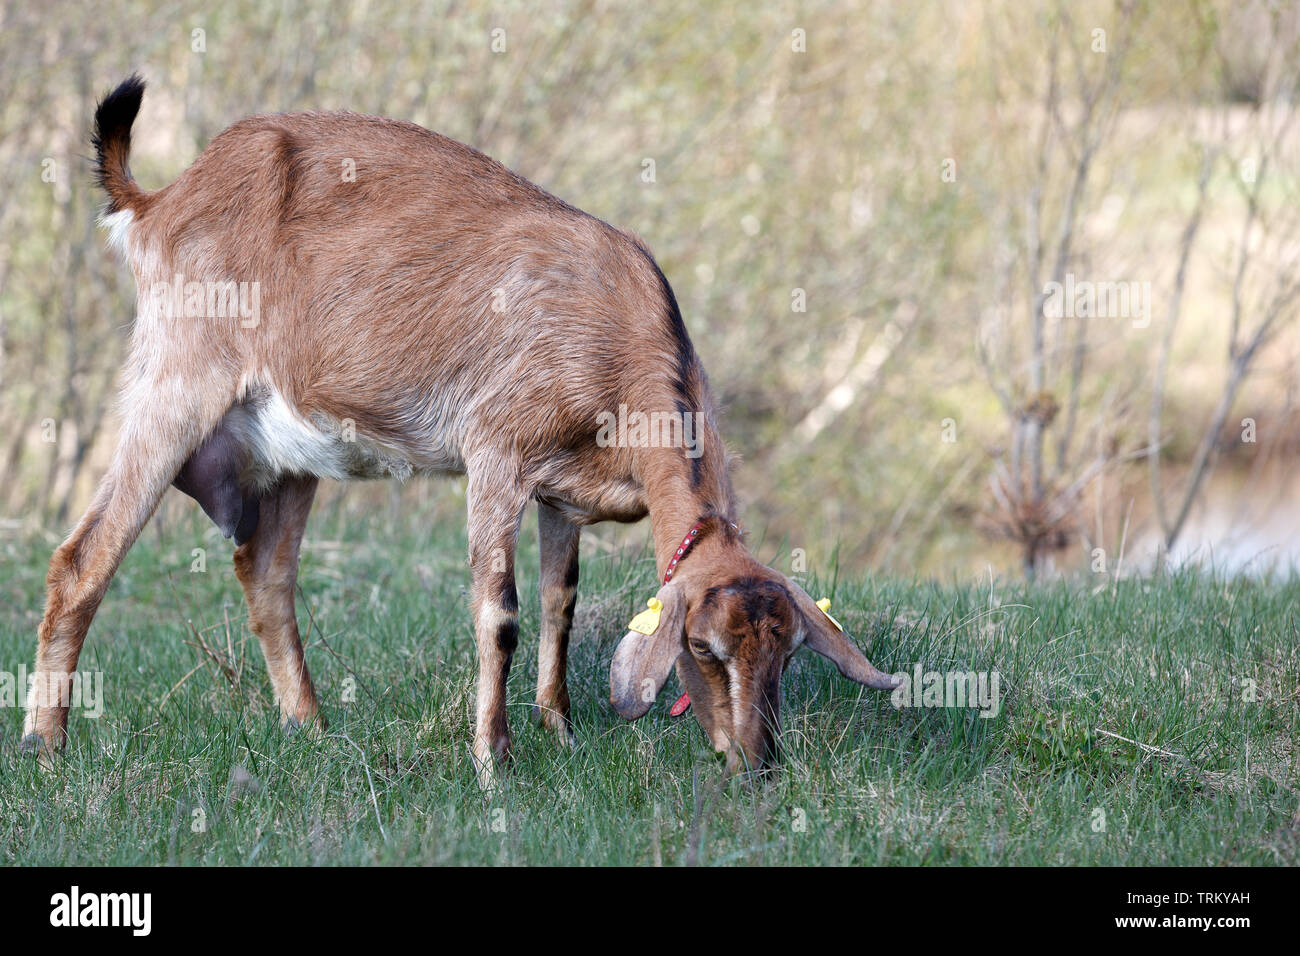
330,295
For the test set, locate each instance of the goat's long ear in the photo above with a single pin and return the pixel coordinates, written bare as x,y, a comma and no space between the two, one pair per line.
642,662
833,644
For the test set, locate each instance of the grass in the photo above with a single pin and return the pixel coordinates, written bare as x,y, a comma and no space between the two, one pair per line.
1127,733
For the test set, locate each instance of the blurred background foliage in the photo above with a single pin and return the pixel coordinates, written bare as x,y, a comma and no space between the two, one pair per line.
856,202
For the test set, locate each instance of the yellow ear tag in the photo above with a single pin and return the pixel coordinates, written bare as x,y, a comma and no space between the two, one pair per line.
825,605
647,620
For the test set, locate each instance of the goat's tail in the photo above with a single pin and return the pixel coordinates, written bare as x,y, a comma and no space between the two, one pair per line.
112,141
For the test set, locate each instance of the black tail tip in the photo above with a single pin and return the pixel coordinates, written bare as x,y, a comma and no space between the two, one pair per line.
116,111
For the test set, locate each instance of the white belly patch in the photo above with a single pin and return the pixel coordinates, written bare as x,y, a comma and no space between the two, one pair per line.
279,440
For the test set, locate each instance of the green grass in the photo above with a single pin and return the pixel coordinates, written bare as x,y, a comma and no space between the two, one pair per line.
1160,662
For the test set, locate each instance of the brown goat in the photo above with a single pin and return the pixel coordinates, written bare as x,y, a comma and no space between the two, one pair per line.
344,296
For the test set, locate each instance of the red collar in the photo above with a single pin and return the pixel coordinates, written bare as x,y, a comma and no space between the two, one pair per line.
682,548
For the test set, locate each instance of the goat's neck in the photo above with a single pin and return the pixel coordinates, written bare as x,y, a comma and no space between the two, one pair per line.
719,555
678,498
682,488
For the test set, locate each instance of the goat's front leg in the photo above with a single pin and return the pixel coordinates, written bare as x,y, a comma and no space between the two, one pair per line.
495,509
558,538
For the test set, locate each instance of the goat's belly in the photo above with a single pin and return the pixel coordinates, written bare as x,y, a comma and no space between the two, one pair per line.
278,440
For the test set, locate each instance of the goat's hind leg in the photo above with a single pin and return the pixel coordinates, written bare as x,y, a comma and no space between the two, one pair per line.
156,439
267,529
267,567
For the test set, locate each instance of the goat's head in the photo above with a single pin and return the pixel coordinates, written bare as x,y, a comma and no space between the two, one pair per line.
730,628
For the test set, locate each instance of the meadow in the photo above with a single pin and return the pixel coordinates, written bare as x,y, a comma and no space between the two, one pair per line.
1141,722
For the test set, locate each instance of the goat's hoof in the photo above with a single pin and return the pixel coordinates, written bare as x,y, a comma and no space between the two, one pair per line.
488,775
34,746
491,763
311,723
556,722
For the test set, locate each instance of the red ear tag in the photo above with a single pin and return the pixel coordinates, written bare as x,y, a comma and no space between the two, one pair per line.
682,706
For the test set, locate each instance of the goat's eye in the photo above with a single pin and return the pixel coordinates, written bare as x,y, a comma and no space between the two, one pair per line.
700,649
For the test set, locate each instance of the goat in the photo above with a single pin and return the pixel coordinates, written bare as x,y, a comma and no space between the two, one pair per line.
419,309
